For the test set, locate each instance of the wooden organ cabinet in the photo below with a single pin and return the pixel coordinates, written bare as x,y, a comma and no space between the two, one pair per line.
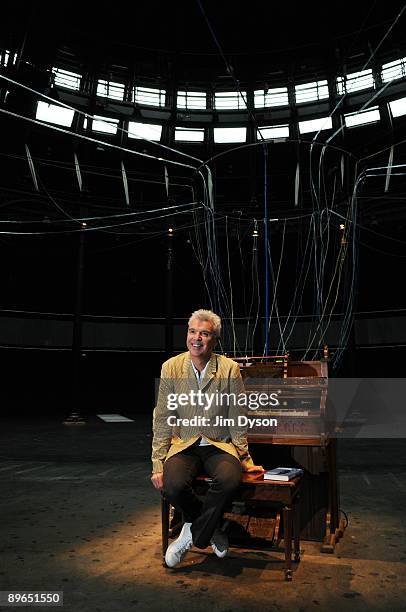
301,438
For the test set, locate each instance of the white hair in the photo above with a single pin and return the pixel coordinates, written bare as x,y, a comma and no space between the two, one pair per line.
207,315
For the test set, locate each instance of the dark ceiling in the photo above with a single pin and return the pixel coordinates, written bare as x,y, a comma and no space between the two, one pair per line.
255,36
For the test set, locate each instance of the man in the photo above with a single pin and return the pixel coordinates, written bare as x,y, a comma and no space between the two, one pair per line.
204,388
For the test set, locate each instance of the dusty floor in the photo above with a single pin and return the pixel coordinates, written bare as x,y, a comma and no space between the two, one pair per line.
79,515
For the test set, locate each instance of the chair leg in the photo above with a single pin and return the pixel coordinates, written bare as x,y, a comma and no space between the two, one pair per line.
175,522
165,525
296,529
276,535
287,520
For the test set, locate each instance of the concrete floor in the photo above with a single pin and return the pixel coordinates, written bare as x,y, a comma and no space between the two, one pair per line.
79,515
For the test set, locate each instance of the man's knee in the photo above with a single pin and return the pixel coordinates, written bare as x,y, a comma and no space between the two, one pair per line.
173,487
228,481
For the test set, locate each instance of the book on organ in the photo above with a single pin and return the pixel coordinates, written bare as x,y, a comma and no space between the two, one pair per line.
282,473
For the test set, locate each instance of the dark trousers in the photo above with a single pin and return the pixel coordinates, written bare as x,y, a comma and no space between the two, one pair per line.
179,472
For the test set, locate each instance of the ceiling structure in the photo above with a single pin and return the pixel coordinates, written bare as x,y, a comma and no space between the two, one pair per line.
260,37
214,47
55,176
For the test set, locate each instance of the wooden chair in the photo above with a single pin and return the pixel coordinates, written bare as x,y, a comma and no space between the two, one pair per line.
255,491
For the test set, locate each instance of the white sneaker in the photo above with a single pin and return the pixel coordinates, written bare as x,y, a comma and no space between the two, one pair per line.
179,547
219,543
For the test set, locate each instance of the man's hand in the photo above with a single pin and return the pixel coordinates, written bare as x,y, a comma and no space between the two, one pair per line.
157,480
252,468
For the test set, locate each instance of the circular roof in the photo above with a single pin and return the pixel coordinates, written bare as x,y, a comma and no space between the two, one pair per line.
198,38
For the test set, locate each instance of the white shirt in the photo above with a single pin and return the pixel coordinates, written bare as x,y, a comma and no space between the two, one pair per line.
200,376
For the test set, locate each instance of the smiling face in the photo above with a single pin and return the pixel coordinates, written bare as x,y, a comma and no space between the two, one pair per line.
200,340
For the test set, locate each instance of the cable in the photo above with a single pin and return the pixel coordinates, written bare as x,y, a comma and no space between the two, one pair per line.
81,219
345,517
280,143
340,101
91,229
231,291
230,70
94,140
88,116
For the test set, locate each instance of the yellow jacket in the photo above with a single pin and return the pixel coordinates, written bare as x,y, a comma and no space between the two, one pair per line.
221,392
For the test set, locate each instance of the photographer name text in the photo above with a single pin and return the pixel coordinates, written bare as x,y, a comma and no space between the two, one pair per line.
220,421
